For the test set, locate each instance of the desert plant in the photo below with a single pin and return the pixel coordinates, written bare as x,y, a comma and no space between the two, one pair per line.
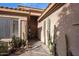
3,48
49,44
23,42
17,42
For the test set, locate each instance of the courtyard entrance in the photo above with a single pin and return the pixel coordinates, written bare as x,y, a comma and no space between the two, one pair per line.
32,30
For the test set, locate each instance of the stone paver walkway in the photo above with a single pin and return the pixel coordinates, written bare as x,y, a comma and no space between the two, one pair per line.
39,49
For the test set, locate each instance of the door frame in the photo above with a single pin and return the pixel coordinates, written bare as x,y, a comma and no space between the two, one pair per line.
21,27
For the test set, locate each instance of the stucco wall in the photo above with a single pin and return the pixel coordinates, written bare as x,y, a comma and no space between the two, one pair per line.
66,20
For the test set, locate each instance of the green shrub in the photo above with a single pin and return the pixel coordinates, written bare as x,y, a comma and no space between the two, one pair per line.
17,42
3,47
23,42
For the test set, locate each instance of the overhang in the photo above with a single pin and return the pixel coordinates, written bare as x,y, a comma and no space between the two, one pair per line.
18,11
49,10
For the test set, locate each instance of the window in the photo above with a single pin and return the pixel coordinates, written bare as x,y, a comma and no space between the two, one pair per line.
5,27
8,27
15,28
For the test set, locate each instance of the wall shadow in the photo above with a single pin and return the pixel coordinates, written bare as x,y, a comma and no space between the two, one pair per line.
68,16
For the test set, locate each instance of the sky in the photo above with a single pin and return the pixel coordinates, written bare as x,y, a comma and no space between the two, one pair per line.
15,5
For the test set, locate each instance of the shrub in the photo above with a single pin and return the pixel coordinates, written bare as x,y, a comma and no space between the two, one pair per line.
17,42
3,48
23,43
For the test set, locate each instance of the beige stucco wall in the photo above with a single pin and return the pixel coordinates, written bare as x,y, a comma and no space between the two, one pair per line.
64,19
